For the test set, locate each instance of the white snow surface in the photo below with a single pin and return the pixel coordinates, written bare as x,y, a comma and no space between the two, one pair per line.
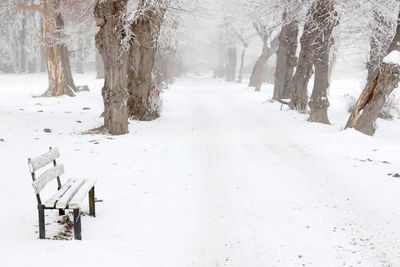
393,58
223,178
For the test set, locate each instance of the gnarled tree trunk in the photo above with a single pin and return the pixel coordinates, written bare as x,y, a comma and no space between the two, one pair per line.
373,99
319,102
325,19
304,70
375,94
56,53
141,62
108,42
286,59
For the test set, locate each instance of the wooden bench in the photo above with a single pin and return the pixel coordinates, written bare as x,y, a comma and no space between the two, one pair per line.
68,196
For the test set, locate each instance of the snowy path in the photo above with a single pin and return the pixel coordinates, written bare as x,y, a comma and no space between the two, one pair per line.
223,178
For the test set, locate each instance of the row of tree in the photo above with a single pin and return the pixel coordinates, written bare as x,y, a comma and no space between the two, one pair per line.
318,22
23,45
126,41
137,41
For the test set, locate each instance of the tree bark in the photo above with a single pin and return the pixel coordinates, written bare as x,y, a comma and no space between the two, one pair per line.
304,70
108,42
373,99
319,102
325,19
57,56
141,62
286,59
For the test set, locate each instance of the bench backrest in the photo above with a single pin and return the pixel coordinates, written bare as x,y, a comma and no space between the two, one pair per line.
52,173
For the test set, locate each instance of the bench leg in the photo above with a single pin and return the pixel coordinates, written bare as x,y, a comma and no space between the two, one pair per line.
61,212
92,208
92,205
42,225
77,224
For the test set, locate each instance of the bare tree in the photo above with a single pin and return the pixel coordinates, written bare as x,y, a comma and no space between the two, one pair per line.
53,43
286,57
245,44
269,48
56,52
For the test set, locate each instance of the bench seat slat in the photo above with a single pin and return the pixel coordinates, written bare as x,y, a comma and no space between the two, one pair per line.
43,160
81,194
62,203
50,203
46,177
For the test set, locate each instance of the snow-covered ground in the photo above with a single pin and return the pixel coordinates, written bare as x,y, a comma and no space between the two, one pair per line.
223,178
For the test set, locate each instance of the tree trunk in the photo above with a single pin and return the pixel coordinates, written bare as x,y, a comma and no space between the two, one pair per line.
164,69
56,53
375,94
373,99
286,59
231,65
319,102
325,19
257,75
141,62
304,70
243,56
256,72
108,42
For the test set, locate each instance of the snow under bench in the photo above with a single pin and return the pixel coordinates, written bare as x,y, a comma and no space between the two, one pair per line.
68,196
